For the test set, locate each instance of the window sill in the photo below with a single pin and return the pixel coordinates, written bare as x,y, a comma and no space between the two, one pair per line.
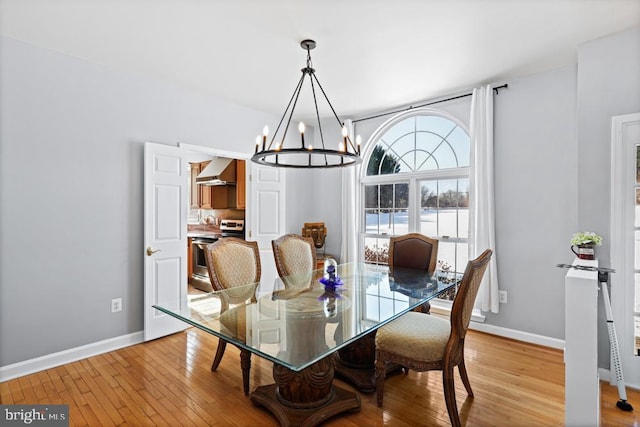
443,307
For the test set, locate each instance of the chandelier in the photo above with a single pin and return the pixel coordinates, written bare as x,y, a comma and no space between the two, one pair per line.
298,154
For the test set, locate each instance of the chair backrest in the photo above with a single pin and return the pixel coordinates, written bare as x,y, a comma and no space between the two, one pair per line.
467,293
294,255
413,250
233,262
317,231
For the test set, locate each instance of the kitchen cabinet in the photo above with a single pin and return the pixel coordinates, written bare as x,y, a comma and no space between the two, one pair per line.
194,194
241,184
205,193
219,196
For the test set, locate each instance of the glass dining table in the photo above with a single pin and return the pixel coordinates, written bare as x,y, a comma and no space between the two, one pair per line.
313,326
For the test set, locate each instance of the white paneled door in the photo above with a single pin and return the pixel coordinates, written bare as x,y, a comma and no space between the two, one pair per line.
267,214
625,242
165,238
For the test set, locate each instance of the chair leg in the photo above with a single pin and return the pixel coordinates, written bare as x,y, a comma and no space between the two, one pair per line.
450,396
381,372
222,345
245,364
465,379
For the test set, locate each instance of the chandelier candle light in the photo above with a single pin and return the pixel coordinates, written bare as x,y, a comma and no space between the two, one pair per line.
306,156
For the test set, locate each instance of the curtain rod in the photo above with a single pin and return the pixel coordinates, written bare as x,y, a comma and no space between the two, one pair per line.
411,107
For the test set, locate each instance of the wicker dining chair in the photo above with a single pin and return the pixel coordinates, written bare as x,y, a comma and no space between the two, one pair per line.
425,343
232,263
295,258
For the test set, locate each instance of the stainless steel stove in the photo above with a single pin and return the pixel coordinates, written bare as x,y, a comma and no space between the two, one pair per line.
228,228
232,228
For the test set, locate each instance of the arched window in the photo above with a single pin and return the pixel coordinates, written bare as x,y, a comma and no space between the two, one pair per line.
416,179
419,143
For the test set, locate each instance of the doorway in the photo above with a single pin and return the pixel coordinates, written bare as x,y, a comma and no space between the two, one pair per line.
625,238
216,188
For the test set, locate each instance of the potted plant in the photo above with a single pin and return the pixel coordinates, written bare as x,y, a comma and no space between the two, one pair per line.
585,243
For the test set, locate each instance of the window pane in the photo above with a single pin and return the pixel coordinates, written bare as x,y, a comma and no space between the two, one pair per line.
401,128
638,164
448,196
400,221
462,256
459,140
429,222
453,256
401,196
386,196
370,196
420,143
637,248
463,208
445,157
636,300
376,250
382,162
447,255
427,141
403,149
386,209
372,221
637,221
428,208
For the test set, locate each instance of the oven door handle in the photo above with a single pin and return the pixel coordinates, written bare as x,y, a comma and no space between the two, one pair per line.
203,243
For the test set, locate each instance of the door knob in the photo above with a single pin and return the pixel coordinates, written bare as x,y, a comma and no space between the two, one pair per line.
150,251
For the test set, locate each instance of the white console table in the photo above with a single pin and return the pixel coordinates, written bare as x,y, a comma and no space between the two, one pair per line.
582,387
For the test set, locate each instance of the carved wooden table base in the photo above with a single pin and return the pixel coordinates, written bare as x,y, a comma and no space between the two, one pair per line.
305,398
355,364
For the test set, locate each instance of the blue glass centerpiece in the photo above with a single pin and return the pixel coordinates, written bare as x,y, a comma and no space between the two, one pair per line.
330,279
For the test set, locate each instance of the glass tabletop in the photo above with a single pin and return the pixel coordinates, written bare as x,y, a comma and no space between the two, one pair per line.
303,318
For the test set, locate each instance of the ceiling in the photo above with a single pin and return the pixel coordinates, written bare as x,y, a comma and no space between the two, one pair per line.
371,54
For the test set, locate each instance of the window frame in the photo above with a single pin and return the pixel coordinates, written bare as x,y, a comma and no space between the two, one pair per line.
413,179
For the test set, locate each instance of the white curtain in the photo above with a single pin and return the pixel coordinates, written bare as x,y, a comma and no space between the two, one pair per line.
482,209
349,247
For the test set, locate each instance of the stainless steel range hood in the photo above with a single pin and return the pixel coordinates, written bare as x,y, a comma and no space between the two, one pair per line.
220,171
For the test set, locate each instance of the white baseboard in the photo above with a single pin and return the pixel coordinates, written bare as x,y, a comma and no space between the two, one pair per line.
604,375
518,335
37,364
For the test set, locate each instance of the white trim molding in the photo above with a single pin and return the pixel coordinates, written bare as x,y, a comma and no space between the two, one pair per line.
518,335
48,361
443,308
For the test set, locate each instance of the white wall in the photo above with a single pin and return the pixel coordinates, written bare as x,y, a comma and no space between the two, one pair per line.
314,195
536,212
535,194
71,190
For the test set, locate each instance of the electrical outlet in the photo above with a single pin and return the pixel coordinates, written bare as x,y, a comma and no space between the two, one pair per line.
503,297
116,305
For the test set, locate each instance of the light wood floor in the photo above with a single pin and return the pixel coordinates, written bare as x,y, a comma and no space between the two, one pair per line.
168,382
